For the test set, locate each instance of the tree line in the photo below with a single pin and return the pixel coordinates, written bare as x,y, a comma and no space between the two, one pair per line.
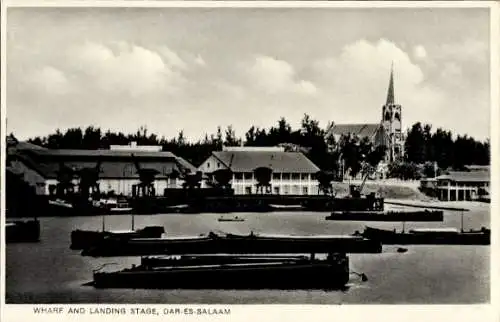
423,147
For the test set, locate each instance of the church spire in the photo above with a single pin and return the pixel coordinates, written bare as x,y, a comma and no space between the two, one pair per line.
390,91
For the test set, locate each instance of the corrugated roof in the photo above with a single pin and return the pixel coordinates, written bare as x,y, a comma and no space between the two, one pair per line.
123,168
110,169
361,130
185,164
462,176
102,153
284,162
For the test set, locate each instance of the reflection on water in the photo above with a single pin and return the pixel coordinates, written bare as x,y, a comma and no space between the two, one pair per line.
49,272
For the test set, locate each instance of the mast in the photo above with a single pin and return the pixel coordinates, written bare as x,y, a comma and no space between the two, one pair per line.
462,222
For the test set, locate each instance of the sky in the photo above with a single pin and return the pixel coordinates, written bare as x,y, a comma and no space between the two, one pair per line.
193,69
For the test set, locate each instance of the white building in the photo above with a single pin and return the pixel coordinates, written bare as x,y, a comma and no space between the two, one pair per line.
292,172
118,171
459,185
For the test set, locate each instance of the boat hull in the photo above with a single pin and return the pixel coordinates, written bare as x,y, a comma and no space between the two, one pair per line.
414,216
232,244
388,237
22,231
83,239
280,275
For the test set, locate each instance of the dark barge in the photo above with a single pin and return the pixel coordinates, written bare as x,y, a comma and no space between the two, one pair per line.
83,239
233,244
18,231
415,216
281,273
434,236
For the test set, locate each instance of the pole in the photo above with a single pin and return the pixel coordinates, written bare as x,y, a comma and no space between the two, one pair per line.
103,223
462,222
133,222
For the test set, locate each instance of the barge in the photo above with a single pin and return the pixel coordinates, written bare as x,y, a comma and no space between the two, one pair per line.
83,239
233,244
430,236
281,273
18,231
415,216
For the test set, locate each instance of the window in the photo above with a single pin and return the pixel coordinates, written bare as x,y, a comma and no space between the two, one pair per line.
238,176
208,165
218,165
304,176
286,189
277,190
285,176
248,190
248,176
304,191
276,176
295,176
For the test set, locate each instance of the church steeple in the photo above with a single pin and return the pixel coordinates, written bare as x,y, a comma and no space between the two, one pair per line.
390,91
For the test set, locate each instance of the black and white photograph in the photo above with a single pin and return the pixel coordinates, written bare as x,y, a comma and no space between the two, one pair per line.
217,154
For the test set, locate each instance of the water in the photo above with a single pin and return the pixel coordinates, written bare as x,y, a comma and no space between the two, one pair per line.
49,272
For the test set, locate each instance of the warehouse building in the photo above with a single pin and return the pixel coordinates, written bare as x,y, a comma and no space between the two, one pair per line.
292,172
118,166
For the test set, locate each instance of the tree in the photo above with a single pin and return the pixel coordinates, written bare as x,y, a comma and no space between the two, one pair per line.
415,144
231,139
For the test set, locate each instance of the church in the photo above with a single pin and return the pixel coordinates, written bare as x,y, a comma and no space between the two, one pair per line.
387,132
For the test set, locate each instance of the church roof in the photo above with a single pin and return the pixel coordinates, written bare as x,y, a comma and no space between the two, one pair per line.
360,130
390,90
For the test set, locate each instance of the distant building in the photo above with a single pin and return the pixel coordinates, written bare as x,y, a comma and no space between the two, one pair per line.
462,185
292,172
387,132
376,133
118,172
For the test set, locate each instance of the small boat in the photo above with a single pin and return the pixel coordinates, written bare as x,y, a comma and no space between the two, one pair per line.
424,215
115,205
429,236
237,219
254,273
60,203
18,231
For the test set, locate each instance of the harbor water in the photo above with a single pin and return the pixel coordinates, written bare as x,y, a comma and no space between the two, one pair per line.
49,272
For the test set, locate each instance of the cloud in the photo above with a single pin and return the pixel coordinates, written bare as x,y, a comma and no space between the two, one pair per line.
125,69
200,61
48,81
172,59
470,50
277,76
419,52
357,80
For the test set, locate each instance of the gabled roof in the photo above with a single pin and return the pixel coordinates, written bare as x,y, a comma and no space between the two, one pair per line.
101,153
109,169
278,161
360,130
463,176
185,164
